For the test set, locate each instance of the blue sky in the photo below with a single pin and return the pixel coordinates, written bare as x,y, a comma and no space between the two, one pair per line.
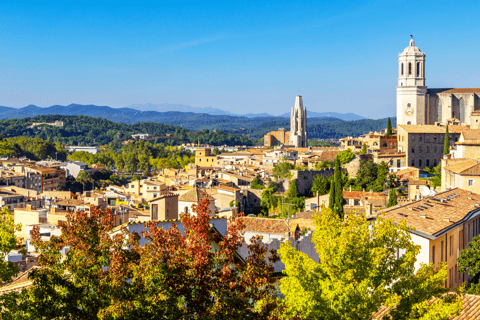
240,56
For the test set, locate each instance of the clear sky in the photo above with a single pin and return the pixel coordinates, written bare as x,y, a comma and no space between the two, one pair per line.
239,56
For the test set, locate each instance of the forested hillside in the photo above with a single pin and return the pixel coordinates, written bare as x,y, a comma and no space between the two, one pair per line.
82,130
337,130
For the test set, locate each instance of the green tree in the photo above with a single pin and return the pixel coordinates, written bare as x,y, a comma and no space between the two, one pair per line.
359,271
256,184
389,128
338,209
193,274
135,177
345,156
469,261
320,185
364,148
292,190
446,146
331,198
392,198
83,177
282,169
8,242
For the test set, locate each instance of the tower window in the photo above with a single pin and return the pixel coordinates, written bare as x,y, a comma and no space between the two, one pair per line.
401,69
409,69
418,69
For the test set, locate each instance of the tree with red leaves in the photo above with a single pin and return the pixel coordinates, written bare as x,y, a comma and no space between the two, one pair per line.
106,274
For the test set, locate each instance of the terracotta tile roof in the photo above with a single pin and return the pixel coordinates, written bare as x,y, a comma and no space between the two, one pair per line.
418,182
419,128
465,167
166,195
70,202
264,225
228,188
195,195
431,216
462,90
19,283
406,170
360,194
471,309
327,156
471,135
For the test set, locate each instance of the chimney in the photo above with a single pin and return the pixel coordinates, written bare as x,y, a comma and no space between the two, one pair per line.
369,209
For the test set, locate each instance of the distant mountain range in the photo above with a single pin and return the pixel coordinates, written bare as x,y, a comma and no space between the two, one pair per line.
165,107
147,112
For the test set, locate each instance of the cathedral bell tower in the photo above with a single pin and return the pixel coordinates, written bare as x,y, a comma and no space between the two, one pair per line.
411,89
298,125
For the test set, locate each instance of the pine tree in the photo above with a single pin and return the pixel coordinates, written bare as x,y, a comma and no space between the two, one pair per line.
392,198
389,128
446,146
338,189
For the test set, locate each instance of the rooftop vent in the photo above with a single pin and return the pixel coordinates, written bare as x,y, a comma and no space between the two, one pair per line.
447,219
423,215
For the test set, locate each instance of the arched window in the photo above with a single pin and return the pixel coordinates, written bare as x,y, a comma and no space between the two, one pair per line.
375,144
409,68
462,111
409,105
401,70
420,163
428,163
409,122
418,69
385,144
439,110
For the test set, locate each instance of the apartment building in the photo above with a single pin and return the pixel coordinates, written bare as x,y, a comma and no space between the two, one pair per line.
204,158
146,188
423,144
51,177
461,173
442,225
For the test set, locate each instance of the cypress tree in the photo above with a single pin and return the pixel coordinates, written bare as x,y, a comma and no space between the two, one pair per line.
446,146
389,128
338,189
331,199
392,198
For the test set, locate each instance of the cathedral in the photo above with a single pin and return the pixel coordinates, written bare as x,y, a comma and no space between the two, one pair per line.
416,104
297,136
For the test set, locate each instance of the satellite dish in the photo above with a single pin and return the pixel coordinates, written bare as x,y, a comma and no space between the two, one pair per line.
425,191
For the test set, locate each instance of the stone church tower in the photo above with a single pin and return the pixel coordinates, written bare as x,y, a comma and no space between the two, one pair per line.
298,125
411,89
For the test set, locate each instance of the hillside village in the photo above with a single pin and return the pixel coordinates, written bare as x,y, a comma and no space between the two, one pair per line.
424,173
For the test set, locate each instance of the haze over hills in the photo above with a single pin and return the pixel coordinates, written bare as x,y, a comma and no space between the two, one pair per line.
164,107
145,112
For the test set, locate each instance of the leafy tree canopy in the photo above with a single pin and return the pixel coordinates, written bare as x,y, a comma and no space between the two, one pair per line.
359,272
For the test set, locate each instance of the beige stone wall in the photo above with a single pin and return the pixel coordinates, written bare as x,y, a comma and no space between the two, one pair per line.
25,217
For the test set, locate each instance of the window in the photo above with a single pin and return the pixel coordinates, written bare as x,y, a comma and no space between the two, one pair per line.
428,163
420,162
391,162
401,69
420,138
398,163
413,150
470,182
434,138
441,251
418,69
413,138
420,149
409,69
433,254
413,163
